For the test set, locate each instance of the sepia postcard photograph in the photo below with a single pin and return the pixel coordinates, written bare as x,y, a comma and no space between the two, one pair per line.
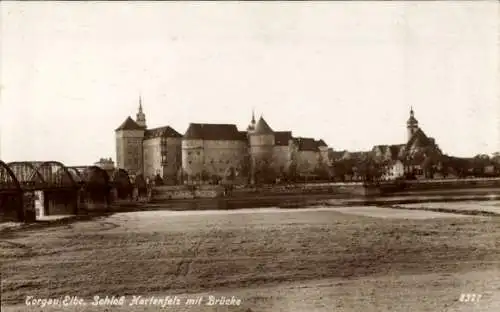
250,156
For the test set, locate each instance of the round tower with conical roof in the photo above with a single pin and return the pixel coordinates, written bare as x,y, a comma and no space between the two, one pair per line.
411,125
261,141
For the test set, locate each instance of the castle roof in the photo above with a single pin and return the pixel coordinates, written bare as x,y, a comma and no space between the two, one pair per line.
215,132
282,138
129,124
321,143
306,144
262,127
166,131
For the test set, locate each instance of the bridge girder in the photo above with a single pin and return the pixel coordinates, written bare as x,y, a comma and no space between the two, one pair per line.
42,174
8,180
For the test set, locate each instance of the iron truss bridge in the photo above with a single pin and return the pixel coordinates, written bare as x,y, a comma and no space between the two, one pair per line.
21,176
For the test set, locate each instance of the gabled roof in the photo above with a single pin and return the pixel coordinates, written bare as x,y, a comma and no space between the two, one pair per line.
262,127
282,138
306,144
356,155
396,151
129,124
382,148
321,143
167,132
335,155
420,138
215,132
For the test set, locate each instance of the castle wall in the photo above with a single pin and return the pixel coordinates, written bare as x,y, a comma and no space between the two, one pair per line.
213,156
129,154
262,140
261,148
281,157
152,157
192,156
307,161
165,164
173,159
222,155
323,155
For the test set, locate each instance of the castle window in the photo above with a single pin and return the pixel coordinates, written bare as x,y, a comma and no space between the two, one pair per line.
189,153
198,153
189,162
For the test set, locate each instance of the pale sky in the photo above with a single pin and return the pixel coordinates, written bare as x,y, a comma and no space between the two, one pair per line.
344,72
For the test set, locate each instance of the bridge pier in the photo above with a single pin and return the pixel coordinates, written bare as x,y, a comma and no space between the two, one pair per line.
60,202
11,207
96,199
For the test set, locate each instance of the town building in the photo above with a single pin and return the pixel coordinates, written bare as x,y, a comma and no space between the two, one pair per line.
106,164
412,154
212,152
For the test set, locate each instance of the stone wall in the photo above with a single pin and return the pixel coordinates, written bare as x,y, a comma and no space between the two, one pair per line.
161,193
129,155
213,157
152,154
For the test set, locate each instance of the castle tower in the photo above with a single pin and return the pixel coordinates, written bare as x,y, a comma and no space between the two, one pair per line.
261,141
251,126
411,125
129,149
141,117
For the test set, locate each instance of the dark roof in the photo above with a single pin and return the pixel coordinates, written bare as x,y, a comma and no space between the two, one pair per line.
335,155
129,124
321,143
306,144
382,148
396,151
166,131
282,138
412,120
214,132
262,127
357,155
243,135
421,138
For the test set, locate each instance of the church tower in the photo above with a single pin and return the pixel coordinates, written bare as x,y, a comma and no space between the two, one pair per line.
141,117
411,125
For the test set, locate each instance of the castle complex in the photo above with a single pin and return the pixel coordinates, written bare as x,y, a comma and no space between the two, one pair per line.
213,150
219,151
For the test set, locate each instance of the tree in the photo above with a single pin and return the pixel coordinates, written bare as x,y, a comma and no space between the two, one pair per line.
158,180
427,167
245,167
291,173
264,172
444,165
